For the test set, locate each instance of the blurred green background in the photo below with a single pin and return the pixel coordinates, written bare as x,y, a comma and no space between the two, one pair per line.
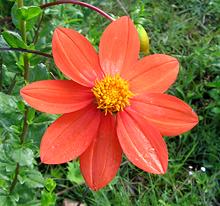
188,30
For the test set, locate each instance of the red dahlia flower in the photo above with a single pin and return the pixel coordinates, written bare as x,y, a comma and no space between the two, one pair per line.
113,103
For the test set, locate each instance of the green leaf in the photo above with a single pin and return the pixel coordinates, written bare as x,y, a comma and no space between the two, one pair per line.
50,184
215,94
16,17
13,39
29,12
38,127
21,106
31,115
48,199
74,174
27,195
6,201
39,72
24,156
7,103
214,84
216,110
9,61
3,43
9,113
34,179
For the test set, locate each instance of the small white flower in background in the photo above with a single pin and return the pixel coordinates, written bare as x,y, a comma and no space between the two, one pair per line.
190,167
190,173
203,169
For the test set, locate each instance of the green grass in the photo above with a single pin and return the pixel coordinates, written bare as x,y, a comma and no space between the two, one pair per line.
188,30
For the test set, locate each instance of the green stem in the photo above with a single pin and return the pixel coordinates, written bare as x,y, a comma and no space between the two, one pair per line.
22,23
24,37
14,182
25,126
26,68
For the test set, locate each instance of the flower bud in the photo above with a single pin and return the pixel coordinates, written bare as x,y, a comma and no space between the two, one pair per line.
144,39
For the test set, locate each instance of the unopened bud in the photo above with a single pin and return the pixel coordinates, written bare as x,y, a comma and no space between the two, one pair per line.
144,39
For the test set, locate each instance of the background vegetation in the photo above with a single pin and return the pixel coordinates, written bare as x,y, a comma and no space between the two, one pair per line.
188,30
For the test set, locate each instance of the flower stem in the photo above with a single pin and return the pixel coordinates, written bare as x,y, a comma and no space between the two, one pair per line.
27,51
78,3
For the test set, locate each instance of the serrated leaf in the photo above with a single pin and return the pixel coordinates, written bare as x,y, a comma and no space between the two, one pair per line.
7,103
39,72
48,199
50,184
28,12
13,39
27,195
6,200
9,113
24,156
34,179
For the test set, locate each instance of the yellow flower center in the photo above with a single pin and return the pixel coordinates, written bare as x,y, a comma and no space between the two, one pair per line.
112,94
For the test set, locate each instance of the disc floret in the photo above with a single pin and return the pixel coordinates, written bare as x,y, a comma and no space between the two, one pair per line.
112,94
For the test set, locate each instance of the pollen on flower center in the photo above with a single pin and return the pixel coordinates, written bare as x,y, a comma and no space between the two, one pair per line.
112,94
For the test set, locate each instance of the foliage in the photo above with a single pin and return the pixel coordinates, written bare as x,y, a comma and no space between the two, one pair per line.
188,30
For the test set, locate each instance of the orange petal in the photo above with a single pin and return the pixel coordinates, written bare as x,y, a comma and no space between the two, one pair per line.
169,114
69,136
119,46
56,96
142,143
75,56
154,73
100,162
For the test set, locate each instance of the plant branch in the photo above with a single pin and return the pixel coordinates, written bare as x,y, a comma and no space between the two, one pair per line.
78,3
27,51
24,37
36,34
14,182
26,68
25,126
